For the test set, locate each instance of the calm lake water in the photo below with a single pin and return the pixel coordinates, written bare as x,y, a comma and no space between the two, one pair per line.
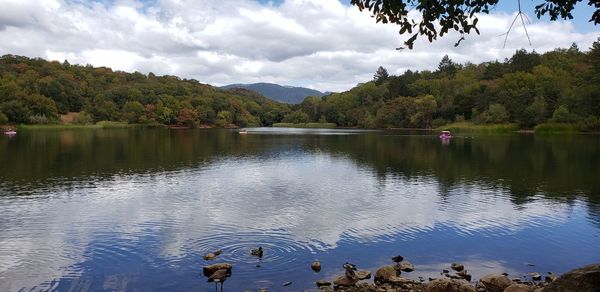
135,210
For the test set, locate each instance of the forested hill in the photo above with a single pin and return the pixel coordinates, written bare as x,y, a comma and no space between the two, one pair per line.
286,94
561,86
38,91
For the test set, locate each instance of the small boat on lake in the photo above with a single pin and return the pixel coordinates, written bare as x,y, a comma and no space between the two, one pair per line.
10,132
243,132
445,135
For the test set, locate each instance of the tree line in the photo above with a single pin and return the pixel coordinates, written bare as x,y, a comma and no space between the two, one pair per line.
561,86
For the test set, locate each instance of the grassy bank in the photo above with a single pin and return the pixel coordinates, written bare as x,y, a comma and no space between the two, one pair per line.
557,128
305,125
467,127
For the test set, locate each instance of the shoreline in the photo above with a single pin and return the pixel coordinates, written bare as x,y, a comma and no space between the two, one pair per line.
453,278
456,128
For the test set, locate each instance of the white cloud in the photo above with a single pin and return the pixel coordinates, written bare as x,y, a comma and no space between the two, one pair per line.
320,44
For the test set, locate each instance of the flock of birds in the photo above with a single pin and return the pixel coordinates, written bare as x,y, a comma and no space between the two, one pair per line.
218,273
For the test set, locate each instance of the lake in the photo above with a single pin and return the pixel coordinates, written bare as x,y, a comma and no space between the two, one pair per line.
135,209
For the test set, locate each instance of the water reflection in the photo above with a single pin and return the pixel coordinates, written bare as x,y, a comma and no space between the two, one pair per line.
136,210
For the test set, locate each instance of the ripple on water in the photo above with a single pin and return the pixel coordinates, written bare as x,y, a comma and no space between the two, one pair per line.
282,253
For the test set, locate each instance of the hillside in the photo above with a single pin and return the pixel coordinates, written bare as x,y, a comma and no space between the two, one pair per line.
560,87
285,94
37,91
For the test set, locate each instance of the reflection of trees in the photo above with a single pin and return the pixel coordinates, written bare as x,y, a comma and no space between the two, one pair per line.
561,167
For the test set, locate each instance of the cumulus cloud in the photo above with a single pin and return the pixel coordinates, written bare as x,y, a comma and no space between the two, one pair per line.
319,44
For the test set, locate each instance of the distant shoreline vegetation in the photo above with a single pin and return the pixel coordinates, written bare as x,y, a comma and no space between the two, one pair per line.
305,125
554,92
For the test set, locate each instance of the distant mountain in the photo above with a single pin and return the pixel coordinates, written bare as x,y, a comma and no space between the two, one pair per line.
286,94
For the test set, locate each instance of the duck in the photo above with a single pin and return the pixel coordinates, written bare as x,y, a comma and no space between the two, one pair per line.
350,268
398,259
219,277
212,255
257,252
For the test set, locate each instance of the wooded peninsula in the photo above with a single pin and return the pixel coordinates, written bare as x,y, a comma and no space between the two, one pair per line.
555,91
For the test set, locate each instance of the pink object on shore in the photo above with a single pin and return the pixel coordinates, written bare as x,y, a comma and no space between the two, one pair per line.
445,135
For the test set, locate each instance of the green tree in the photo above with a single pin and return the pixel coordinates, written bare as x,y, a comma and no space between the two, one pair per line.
496,114
15,111
381,75
83,118
224,118
562,115
133,112
447,66
42,106
296,117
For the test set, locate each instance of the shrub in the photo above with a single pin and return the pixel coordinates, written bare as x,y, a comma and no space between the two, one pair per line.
83,118
41,120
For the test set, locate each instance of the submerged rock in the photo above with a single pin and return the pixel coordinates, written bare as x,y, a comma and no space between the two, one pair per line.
457,267
385,273
495,283
315,265
211,269
444,285
582,279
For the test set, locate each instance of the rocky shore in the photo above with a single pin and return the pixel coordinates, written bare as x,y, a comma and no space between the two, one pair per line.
456,279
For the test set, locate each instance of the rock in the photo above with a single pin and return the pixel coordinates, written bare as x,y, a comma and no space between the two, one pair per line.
536,276
344,281
495,283
398,280
315,265
582,279
457,267
211,269
287,284
363,275
445,271
323,283
464,275
551,277
519,288
218,252
443,285
398,259
384,274
407,266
